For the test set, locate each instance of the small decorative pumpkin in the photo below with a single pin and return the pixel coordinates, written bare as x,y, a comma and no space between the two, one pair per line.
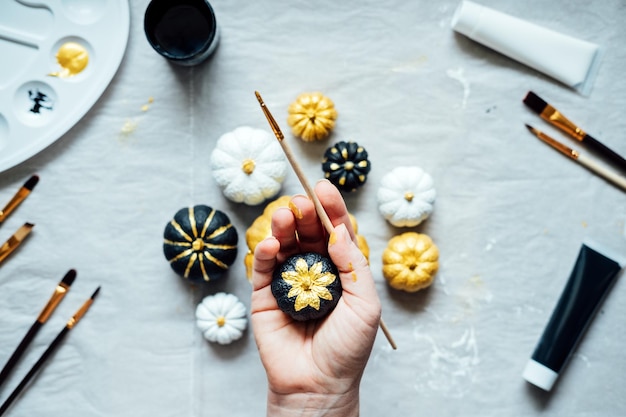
200,243
261,228
306,286
249,165
312,116
345,164
221,318
410,261
406,196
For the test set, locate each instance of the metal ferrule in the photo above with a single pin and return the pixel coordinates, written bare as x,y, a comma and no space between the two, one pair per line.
54,301
555,118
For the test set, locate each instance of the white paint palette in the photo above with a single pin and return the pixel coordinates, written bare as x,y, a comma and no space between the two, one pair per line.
37,108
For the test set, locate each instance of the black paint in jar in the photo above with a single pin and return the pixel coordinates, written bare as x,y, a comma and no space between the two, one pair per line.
184,31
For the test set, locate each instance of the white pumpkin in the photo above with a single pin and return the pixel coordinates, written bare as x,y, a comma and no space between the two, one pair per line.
249,165
221,318
406,196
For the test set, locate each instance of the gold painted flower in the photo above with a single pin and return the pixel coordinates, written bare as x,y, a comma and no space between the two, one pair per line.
308,285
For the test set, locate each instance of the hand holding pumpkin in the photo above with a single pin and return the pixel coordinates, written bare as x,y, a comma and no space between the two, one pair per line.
315,365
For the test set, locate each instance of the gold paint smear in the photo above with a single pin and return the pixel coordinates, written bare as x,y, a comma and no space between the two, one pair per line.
295,210
73,59
332,239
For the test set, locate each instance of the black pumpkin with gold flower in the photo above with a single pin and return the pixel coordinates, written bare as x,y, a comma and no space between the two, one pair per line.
200,243
345,164
306,286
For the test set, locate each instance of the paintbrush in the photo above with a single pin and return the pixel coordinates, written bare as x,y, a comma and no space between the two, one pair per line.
557,119
59,292
15,240
583,160
321,213
19,196
51,348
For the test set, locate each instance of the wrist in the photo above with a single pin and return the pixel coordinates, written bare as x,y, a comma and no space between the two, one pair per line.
313,404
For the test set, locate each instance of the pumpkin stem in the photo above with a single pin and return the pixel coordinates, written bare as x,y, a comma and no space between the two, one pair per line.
348,166
248,166
198,245
221,321
408,196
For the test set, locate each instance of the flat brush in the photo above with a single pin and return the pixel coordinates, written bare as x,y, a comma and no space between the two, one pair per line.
581,159
59,292
19,196
321,213
51,348
558,120
15,240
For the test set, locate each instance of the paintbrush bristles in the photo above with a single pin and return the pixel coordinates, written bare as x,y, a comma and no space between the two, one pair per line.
31,182
69,278
535,103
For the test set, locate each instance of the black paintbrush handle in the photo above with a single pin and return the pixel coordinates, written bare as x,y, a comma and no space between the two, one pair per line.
19,350
606,151
16,392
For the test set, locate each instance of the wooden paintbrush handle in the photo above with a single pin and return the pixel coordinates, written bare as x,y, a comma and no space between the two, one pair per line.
611,176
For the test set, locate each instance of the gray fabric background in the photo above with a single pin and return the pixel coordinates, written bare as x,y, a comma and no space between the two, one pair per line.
509,219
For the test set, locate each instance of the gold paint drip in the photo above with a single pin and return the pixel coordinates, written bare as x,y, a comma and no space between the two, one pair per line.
73,59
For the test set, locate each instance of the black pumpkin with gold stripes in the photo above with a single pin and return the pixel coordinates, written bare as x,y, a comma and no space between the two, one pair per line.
345,164
200,243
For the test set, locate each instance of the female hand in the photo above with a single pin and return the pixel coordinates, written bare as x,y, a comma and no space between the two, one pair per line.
316,366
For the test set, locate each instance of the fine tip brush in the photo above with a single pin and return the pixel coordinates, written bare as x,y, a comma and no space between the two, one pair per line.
51,348
583,160
321,213
59,292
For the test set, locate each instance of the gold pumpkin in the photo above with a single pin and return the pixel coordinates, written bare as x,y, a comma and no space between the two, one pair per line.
261,228
311,116
410,261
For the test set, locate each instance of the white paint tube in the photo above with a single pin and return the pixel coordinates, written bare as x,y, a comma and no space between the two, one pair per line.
572,61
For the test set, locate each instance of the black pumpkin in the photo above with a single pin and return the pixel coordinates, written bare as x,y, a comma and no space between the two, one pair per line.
200,243
306,286
345,164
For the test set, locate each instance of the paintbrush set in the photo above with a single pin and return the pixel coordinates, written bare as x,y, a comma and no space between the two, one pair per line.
60,291
553,116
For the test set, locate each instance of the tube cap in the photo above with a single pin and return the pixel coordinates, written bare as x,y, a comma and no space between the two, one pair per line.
539,375
467,18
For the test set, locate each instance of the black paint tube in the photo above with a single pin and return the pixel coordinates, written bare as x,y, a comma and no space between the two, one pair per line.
586,288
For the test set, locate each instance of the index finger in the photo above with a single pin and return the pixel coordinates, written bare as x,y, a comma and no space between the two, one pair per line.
334,205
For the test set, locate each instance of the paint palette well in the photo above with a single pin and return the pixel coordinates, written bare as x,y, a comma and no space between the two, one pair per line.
58,57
